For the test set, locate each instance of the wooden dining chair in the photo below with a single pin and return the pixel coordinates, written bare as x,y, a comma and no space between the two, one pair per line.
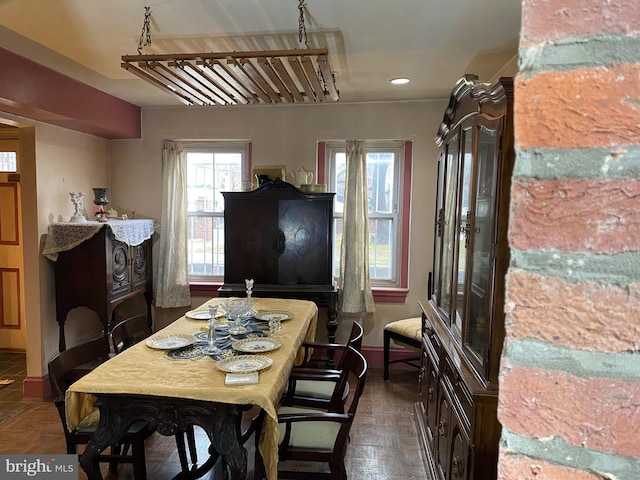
314,435
63,371
406,333
129,332
317,386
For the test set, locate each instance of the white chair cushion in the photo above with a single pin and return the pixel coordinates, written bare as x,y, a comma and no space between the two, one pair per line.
320,389
320,435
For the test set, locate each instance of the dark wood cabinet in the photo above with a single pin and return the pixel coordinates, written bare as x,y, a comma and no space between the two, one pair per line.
282,239
100,273
463,320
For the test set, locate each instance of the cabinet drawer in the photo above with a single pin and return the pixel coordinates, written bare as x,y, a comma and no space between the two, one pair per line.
461,396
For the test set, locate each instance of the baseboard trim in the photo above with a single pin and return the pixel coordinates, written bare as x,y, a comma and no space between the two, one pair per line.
375,357
37,387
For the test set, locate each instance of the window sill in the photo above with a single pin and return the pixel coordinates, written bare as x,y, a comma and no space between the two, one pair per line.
380,294
205,289
389,295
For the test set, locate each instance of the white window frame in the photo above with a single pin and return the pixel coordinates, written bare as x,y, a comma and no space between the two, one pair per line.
396,215
217,217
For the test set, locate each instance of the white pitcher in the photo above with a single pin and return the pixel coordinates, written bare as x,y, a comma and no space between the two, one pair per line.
301,177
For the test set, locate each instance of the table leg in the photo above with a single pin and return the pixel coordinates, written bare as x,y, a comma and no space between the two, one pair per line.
108,432
332,317
168,416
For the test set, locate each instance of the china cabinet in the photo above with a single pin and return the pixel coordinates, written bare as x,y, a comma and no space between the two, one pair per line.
282,239
463,319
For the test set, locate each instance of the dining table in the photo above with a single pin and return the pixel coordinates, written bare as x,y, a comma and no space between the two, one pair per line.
172,389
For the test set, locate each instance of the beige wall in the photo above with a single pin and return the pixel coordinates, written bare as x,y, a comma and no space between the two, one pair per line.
288,135
66,161
54,162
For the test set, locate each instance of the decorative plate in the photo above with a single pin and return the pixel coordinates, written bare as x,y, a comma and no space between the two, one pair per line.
244,363
198,315
170,342
202,314
256,345
267,315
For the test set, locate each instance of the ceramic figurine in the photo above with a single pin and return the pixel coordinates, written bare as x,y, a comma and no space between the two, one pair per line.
78,203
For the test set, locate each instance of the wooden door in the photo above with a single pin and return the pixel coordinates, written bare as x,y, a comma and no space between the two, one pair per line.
12,319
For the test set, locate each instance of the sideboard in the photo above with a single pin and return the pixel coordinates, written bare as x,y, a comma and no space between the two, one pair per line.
98,266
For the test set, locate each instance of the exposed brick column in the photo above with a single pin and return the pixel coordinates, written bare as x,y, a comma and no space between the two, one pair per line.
570,377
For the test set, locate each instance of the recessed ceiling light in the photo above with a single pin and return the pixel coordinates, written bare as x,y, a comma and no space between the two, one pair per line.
400,80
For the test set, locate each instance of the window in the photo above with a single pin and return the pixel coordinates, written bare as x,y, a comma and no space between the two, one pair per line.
211,168
388,170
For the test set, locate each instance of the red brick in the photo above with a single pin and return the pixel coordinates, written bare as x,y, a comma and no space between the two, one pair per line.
555,19
579,215
596,413
519,467
585,316
588,107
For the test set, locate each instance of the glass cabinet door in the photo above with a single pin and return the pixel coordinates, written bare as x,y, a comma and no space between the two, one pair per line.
447,226
482,244
434,287
463,230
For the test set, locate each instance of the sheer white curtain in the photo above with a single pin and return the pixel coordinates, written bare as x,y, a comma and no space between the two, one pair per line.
355,283
172,281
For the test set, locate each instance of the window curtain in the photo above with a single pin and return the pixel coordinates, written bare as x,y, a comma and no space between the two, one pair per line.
172,281
355,283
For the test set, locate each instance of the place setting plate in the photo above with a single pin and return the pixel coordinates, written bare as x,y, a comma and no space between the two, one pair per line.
202,314
244,363
170,342
266,315
256,345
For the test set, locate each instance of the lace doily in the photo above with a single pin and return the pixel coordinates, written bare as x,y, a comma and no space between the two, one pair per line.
65,236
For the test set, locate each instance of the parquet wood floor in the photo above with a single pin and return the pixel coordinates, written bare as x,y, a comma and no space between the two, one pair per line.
383,446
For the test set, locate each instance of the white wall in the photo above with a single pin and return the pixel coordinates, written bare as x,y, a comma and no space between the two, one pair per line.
287,135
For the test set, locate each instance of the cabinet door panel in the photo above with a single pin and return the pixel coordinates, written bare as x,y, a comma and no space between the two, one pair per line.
428,396
483,241
306,258
120,269
251,241
141,264
447,225
444,430
463,229
460,451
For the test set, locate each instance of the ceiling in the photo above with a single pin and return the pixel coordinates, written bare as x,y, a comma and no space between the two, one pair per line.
433,42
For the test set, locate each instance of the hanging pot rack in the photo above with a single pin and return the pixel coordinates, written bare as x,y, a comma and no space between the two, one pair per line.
233,78
236,78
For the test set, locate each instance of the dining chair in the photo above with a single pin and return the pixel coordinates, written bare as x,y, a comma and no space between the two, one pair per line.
406,333
128,332
317,386
313,435
63,371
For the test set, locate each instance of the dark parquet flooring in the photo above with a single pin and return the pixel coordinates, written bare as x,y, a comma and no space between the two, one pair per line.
383,445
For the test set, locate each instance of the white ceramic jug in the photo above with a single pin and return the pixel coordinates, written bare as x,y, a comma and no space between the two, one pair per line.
301,177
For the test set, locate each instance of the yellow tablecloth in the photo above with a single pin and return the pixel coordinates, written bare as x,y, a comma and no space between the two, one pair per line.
141,370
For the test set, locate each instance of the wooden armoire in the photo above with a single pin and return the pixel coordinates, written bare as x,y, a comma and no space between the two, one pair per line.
463,318
282,238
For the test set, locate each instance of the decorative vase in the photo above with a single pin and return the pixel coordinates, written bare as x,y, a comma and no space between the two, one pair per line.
100,200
